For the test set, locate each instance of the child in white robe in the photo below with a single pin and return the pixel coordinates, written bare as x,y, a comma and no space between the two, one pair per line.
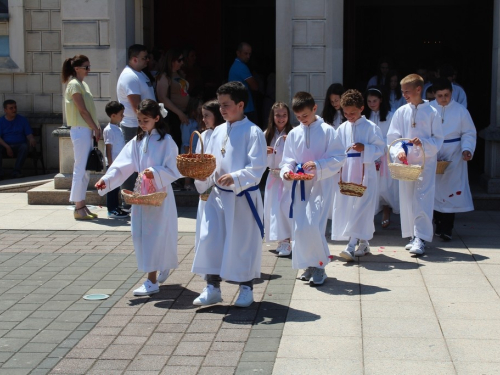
396,100
312,147
452,188
231,230
363,142
154,229
211,118
277,199
332,111
377,111
421,123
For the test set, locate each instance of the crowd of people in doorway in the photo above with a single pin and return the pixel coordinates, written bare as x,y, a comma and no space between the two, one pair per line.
354,140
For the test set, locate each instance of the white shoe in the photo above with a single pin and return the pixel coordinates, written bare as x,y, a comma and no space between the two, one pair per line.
362,250
410,243
348,253
318,276
245,298
284,249
209,296
147,289
163,276
418,246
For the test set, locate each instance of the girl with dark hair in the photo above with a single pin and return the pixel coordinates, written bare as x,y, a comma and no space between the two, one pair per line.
154,229
211,118
172,90
332,112
377,111
81,118
380,79
393,87
277,198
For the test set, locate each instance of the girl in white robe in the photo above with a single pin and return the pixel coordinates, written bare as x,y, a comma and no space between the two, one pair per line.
377,111
417,119
277,199
332,114
313,142
212,118
363,142
154,229
452,188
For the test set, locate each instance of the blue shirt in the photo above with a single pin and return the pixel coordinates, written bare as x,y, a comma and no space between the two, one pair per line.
14,131
239,72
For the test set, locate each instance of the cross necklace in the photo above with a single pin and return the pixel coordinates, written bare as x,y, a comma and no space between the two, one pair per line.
223,149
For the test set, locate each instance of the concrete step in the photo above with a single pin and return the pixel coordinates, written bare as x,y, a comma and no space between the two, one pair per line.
48,194
63,180
22,185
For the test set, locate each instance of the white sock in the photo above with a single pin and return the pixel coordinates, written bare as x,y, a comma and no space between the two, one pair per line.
353,241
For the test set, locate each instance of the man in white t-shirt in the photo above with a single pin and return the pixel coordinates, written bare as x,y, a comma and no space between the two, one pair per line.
133,86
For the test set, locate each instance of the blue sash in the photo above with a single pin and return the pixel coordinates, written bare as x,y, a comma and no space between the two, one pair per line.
250,203
302,190
354,155
405,145
452,140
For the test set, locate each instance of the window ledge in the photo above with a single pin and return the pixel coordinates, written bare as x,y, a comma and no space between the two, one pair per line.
7,65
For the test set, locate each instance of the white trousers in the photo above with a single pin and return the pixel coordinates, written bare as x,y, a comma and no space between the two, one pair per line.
82,145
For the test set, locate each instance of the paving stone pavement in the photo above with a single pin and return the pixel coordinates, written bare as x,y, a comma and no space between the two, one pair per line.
387,313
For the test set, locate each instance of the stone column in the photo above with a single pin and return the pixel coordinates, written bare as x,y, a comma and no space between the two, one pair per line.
309,48
491,177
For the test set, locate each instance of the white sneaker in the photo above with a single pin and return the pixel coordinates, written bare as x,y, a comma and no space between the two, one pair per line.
163,276
147,289
245,298
284,249
348,253
306,276
410,243
362,250
209,296
318,276
418,246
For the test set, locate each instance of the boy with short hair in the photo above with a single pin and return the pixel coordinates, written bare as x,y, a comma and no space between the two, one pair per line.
420,122
452,188
231,230
353,216
114,141
312,147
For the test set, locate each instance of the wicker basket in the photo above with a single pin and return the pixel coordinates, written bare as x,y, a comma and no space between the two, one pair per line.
197,166
135,197
300,177
441,166
350,188
404,172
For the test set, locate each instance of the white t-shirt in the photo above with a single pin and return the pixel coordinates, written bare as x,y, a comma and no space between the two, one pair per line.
113,135
132,82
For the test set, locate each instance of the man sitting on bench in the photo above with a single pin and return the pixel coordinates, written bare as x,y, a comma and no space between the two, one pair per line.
15,133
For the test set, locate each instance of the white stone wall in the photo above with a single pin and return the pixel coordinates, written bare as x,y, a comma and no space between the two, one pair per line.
38,88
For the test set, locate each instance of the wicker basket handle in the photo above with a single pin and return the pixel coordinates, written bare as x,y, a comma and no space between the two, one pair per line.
138,182
400,140
362,176
191,142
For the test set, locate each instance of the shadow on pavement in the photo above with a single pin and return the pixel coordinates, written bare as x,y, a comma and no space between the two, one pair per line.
346,288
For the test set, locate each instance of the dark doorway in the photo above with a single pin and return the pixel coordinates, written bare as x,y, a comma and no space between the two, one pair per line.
425,33
214,29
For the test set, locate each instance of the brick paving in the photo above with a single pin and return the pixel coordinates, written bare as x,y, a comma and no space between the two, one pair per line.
46,326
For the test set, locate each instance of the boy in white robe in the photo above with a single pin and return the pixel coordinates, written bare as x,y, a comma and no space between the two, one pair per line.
363,142
452,188
311,147
231,229
421,123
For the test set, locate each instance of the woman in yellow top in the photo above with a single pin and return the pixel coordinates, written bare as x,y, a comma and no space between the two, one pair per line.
81,117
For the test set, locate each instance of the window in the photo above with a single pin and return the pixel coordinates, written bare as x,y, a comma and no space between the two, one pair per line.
11,23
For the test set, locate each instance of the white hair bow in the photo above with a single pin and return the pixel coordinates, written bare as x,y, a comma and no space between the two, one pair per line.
163,110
